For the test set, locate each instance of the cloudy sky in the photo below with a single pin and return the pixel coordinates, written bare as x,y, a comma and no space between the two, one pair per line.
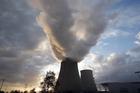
26,55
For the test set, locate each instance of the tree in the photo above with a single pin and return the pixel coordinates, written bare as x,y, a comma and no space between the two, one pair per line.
48,83
32,90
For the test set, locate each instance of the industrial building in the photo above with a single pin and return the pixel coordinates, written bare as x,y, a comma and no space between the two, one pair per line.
122,87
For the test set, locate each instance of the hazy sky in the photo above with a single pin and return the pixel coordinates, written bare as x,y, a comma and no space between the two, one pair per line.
25,53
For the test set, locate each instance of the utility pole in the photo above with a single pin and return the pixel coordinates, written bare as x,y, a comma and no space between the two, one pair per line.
2,84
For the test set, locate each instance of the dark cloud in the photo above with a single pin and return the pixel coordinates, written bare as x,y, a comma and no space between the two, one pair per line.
118,67
18,27
8,53
135,50
20,38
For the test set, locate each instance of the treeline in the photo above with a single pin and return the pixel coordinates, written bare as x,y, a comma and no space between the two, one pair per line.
18,91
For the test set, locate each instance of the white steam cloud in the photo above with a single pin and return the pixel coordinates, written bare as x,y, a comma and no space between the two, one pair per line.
72,26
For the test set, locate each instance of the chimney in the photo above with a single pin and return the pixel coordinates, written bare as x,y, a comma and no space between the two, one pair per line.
88,83
69,79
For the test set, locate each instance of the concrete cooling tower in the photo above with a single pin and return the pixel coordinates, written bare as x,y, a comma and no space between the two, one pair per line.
88,83
69,80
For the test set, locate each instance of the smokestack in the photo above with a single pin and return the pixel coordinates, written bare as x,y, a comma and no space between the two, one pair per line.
69,79
88,83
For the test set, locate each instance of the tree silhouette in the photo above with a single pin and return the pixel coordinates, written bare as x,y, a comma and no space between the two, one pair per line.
32,90
48,83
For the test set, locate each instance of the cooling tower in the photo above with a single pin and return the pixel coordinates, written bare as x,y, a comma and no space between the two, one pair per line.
69,80
88,83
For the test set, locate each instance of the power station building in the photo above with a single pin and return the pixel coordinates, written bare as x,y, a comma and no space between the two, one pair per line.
122,87
69,80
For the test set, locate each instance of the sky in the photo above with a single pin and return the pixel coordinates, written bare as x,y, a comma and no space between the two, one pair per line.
26,54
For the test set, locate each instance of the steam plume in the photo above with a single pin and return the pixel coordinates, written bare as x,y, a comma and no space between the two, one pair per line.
72,26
